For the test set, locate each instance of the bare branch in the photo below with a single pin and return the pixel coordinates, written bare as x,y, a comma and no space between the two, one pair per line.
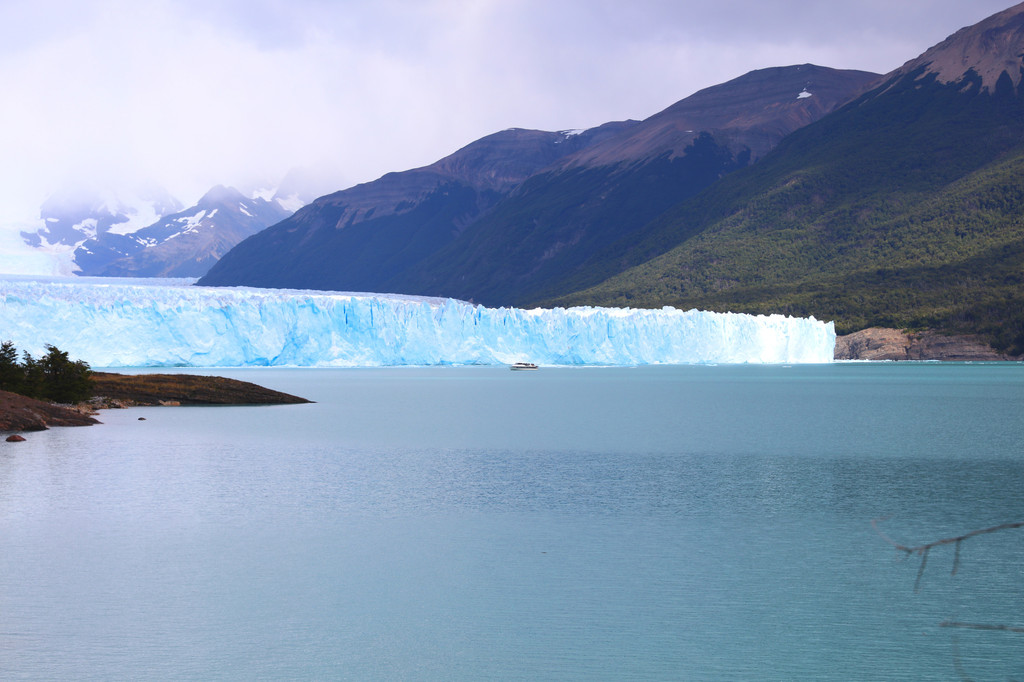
920,571
921,549
980,626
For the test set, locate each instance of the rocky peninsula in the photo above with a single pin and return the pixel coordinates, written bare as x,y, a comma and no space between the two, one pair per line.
138,390
19,413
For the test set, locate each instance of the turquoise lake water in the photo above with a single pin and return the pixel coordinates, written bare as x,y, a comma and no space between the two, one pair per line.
661,523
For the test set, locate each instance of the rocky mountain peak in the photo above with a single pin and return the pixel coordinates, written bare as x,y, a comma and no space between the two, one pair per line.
989,49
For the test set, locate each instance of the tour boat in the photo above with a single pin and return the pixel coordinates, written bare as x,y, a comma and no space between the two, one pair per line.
523,365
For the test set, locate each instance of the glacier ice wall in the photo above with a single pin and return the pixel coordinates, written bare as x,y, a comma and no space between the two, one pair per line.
136,324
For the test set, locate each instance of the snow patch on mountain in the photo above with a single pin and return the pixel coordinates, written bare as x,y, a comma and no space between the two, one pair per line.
291,203
138,214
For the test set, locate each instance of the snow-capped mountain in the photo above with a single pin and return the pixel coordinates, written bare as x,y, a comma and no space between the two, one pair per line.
183,244
75,215
147,232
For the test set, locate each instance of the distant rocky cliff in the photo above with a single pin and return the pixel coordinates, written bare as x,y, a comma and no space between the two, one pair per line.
893,344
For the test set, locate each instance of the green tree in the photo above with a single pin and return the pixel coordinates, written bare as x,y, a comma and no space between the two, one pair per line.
12,374
53,377
64,380
32,383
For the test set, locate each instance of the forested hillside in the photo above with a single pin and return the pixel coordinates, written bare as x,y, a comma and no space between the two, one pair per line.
902,209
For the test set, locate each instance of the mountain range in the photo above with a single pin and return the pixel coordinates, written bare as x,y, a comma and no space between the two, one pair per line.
871,200
511,212
186,243
145,232
78,214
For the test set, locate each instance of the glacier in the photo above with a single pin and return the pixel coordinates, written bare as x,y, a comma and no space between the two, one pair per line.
119,323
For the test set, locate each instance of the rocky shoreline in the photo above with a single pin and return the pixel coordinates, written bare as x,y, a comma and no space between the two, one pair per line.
879,343
19,413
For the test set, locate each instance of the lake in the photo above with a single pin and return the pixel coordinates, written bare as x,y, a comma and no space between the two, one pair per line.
467,523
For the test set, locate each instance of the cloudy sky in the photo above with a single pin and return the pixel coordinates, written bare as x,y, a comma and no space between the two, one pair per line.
193,93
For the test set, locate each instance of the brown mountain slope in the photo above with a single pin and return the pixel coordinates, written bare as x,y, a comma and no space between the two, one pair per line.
752,112
542,239
494,164
989,48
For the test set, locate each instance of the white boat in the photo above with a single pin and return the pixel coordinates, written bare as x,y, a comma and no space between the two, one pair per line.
522,366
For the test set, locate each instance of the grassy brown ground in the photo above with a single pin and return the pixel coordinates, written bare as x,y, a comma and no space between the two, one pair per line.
185,389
